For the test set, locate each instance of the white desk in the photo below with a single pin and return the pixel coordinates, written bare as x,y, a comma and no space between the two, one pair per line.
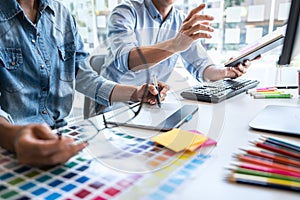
228,123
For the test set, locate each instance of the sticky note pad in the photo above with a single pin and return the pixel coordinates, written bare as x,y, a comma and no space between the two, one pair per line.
178,140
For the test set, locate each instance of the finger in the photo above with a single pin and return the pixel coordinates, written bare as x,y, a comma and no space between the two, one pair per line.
48,147
163,87
242,68
237,72
196,20
43,131
197,28
66,154
246,63
194,11
45,147
152,90
54,159
200,35
163,90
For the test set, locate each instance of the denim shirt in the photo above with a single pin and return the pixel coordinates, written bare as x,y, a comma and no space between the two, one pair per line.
42,64
138,23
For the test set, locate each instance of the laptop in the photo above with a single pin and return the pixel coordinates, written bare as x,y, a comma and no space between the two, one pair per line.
278,119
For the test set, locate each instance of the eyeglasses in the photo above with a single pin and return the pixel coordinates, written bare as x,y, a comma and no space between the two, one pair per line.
133,109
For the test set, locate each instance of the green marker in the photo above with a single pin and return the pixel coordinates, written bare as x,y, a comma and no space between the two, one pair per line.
272,96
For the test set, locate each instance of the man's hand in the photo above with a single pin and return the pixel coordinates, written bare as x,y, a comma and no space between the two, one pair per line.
152,92
239,69
36,145
195,26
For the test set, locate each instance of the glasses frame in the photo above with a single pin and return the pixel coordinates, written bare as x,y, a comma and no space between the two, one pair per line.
131,107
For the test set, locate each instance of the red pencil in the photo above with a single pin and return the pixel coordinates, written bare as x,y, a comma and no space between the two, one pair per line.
267,169
277,150
274,157
266,163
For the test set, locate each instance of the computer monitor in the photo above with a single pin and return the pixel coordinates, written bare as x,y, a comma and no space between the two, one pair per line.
291,41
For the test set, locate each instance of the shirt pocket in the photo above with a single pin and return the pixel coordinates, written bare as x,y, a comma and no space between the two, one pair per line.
11,62
67,61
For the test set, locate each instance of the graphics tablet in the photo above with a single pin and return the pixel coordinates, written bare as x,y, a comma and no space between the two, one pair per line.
278,119
152,117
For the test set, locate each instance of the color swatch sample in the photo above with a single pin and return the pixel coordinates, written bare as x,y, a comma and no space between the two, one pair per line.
88,175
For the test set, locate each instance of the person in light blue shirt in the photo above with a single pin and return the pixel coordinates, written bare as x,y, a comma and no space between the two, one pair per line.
164,34
42,62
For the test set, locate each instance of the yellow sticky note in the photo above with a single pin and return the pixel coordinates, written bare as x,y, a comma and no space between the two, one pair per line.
178,140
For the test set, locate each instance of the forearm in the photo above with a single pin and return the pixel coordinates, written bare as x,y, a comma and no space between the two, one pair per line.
124,93
214,73
8,133
153,54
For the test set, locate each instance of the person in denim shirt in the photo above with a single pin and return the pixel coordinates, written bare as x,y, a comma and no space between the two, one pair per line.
42,62
163,33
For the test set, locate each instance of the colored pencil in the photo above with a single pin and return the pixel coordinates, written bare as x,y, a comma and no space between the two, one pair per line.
277,149
264,174
282,143
267,163
267,169
263,181
272,156
280,147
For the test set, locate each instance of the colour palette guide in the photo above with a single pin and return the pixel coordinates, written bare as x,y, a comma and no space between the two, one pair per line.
114,166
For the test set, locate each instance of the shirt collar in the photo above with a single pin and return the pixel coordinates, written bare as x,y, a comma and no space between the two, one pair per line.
154,12
9,9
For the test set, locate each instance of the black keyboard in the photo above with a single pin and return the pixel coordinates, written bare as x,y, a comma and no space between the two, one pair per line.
219,90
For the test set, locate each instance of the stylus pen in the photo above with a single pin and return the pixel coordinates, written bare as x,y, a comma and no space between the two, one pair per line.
156,86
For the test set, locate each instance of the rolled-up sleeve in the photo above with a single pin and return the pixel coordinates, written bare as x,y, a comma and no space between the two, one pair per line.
104,91
92,85
6,116
122,36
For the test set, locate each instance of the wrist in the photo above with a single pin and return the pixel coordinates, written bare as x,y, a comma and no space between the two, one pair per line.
9,134
134,96
172,46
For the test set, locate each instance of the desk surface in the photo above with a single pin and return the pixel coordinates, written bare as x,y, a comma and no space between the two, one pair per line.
227,122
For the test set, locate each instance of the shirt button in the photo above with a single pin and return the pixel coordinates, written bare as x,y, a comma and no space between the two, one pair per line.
44,112
42,66
33,41
13,63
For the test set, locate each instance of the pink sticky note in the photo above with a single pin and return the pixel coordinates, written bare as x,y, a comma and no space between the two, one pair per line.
208,142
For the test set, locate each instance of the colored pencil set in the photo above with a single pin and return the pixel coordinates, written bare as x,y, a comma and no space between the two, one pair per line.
269,93
272,163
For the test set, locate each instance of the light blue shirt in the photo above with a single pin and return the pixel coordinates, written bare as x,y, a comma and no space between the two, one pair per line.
138,23
42,64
